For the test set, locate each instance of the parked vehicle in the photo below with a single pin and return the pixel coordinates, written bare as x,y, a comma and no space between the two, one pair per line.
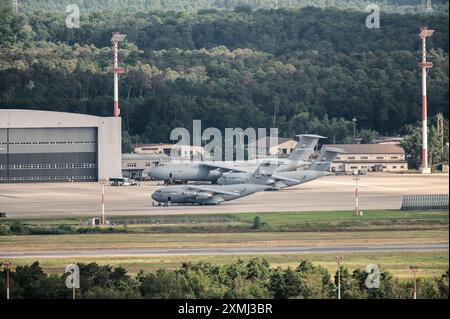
122,181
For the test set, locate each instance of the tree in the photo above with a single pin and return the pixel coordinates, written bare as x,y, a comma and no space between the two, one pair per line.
257,222
367,136
412,144
442,283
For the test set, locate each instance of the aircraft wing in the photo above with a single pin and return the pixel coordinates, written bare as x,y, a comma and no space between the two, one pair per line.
282,178
215,190
225,167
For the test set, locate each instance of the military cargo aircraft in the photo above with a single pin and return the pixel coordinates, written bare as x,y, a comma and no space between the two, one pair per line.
280,180
173,172
214,194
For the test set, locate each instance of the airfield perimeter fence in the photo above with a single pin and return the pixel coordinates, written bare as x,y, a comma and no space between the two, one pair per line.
173,220
425,202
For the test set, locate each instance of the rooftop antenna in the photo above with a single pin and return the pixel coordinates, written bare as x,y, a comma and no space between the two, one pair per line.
116,38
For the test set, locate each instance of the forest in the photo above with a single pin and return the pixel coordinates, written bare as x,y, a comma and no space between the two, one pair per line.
308,69
241,280
398,6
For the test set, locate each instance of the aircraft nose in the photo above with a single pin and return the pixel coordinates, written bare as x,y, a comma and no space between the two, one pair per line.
154,196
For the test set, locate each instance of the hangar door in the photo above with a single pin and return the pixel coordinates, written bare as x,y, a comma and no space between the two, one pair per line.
48,155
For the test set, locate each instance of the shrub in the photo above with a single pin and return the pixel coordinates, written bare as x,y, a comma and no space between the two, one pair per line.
19,229
3,230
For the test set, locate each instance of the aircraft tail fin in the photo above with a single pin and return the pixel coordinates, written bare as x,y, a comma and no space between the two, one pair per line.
264,172
325,159
304,148
266,167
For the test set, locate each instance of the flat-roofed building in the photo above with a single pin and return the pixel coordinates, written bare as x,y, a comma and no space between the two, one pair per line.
137,166
183,151
272,146
370,157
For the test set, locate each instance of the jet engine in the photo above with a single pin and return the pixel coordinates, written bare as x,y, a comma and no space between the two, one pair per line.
215,173
189,194
233,178
203,196
197,195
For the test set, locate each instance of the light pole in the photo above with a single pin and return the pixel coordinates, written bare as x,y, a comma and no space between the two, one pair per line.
7,269
103,204
356,178
338,260
354,129
103,182
414,271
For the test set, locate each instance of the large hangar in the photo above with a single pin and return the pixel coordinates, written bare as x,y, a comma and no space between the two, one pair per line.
44,146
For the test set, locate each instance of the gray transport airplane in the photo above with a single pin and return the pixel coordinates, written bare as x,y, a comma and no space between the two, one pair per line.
280,180
215,194
172,172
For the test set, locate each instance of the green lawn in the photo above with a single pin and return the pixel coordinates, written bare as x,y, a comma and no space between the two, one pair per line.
285,218
319,229
244,239
273,221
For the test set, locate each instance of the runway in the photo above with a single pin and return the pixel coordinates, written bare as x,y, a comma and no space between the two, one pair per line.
376,191
224,251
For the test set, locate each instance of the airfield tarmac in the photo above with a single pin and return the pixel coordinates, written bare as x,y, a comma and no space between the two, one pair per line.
376,191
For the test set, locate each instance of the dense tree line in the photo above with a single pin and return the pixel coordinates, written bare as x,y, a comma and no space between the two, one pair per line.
252,279
309,70
400,6
437,153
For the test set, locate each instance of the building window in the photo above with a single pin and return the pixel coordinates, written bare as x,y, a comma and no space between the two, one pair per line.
364,157
394,166
131,165
380,157
394,157
351,158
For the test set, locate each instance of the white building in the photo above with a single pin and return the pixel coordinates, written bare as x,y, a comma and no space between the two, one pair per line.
370,157
137,166
184,151
272,146
43,146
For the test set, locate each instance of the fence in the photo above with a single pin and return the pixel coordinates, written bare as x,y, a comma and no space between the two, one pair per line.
425,202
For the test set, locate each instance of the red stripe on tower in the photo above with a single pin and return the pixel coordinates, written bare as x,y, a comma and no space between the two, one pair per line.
424,65
116,38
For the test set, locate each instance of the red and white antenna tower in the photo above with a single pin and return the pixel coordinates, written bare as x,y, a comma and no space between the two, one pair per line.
116,38
424,65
